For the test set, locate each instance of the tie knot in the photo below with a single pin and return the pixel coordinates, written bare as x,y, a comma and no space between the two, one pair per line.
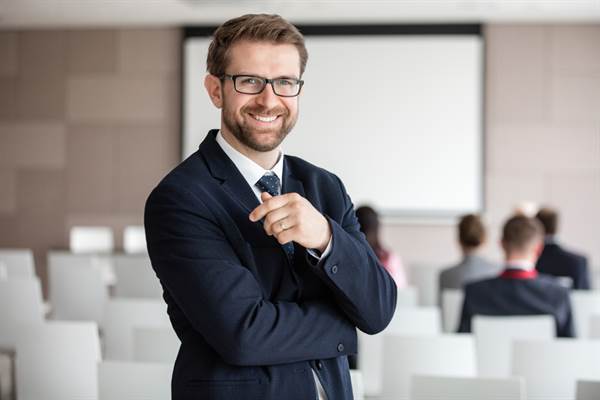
269,183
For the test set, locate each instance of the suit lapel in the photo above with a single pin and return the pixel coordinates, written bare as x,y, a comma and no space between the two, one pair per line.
291,184
222,168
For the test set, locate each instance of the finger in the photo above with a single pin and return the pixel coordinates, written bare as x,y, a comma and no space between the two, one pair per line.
273,218
268,205
287,235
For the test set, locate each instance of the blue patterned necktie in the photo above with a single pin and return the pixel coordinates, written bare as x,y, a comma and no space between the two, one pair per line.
269,183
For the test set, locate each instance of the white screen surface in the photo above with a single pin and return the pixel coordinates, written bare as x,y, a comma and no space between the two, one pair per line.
398,118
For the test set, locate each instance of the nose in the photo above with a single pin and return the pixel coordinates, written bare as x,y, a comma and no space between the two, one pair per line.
267,98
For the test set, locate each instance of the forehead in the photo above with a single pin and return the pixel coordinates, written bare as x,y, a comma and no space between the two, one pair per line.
264,59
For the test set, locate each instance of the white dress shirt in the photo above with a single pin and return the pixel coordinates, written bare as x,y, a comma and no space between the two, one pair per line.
252,172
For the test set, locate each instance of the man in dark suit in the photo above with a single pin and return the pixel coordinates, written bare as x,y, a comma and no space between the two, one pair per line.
557,261
519,290
264,269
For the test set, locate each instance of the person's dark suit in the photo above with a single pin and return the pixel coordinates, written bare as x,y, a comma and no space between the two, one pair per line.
504,296
557,261
251,324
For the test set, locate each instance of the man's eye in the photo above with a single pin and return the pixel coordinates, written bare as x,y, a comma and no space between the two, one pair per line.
285,82
250,81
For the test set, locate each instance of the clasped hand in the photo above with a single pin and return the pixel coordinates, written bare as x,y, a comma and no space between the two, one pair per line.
291,217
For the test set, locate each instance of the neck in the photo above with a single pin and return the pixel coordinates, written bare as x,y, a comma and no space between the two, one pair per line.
266,159
469,251
520,258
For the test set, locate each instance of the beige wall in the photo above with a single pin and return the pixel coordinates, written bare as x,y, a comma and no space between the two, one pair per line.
89,121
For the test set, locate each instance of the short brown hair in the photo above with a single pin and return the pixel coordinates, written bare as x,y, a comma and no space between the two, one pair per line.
549,219
471,232
521,232
252,27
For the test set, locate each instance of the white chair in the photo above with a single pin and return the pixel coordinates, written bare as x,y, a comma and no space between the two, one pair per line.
17,263
118,380
407,297
415,321
585,303
444,355
494,337
427,387
358,389
134,239
425,279
551,368
135,277
587,390
418,321
121,316
77,292
102,262
20,303
58,361
91,239
595,326
452,302
155,344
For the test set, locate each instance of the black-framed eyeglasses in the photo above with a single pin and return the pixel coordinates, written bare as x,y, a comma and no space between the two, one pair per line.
248,84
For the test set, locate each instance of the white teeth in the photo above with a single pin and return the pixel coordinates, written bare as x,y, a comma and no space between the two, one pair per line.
265,119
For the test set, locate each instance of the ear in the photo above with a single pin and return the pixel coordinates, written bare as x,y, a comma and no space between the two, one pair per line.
539,247
213,88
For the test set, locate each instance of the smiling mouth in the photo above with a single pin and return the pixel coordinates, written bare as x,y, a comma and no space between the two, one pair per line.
263,118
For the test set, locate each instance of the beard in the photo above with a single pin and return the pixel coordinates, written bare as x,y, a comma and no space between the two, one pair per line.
249,136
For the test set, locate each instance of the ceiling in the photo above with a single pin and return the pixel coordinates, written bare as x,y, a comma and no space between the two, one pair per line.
107,13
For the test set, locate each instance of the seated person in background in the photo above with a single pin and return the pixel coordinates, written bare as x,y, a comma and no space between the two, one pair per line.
369,225
557,261
471,236
519,290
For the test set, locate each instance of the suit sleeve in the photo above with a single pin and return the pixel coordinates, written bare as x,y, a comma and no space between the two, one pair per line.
363,289
564,317
583,276
222,299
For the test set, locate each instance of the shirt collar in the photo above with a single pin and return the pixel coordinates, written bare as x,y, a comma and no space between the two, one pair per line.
520,264
250,170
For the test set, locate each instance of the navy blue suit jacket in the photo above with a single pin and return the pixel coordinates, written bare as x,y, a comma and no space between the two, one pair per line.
557,261
251,324
508,296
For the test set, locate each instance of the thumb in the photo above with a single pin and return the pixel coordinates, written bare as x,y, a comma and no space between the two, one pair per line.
264,196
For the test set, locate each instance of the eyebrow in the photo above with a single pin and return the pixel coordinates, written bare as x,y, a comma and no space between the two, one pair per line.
261,76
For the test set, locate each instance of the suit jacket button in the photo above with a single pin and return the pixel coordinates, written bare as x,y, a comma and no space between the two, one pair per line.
340,347
319,365
334,269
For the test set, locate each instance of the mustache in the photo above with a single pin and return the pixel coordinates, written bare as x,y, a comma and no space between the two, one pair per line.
265,111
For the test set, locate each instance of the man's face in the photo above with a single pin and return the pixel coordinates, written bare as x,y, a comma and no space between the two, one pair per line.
260,121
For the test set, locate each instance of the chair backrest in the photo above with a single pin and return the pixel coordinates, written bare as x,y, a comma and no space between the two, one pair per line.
587,390
407,297
20,302
494,337
77,291
358,389
444,355
155,344
585,303
134,239
595,326
119,380
452,302
425,279
135,277
58,361
551,368
428,387
407,321
91,239
415,321
17,263
121,316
